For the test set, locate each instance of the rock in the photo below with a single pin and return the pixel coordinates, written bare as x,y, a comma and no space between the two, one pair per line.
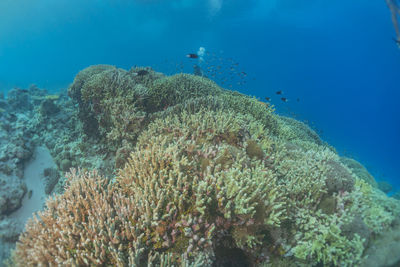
10,230
48,108
12,190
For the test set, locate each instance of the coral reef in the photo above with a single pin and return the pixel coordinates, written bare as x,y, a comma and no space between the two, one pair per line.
202,177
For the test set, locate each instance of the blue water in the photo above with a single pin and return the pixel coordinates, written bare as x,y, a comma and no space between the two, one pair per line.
337,57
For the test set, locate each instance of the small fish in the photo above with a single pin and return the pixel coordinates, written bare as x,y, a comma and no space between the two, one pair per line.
267,98
298,99
284,99
30,194
244,73
192,56
279,92
141,73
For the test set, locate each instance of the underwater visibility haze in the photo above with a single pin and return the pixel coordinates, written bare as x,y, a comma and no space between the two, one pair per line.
200,133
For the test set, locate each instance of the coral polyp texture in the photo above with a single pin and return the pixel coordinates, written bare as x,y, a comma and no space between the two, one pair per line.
213,178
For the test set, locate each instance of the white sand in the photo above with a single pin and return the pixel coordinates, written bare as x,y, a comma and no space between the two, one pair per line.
34,180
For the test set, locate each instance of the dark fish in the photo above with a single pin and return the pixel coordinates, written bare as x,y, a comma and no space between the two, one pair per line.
267,98
298,99
141,73
192,56
23,90
284,99
244,73
279,92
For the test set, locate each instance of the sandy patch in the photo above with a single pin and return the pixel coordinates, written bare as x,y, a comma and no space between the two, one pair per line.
33,177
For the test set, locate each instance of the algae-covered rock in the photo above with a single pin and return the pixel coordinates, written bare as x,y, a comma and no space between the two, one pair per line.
48,107
12,190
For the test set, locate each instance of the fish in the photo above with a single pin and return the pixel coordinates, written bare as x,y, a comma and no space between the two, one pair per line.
284,99
192,56
267,98
141,73
279,92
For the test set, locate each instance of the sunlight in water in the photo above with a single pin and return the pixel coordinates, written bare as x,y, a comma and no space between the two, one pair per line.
215,6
